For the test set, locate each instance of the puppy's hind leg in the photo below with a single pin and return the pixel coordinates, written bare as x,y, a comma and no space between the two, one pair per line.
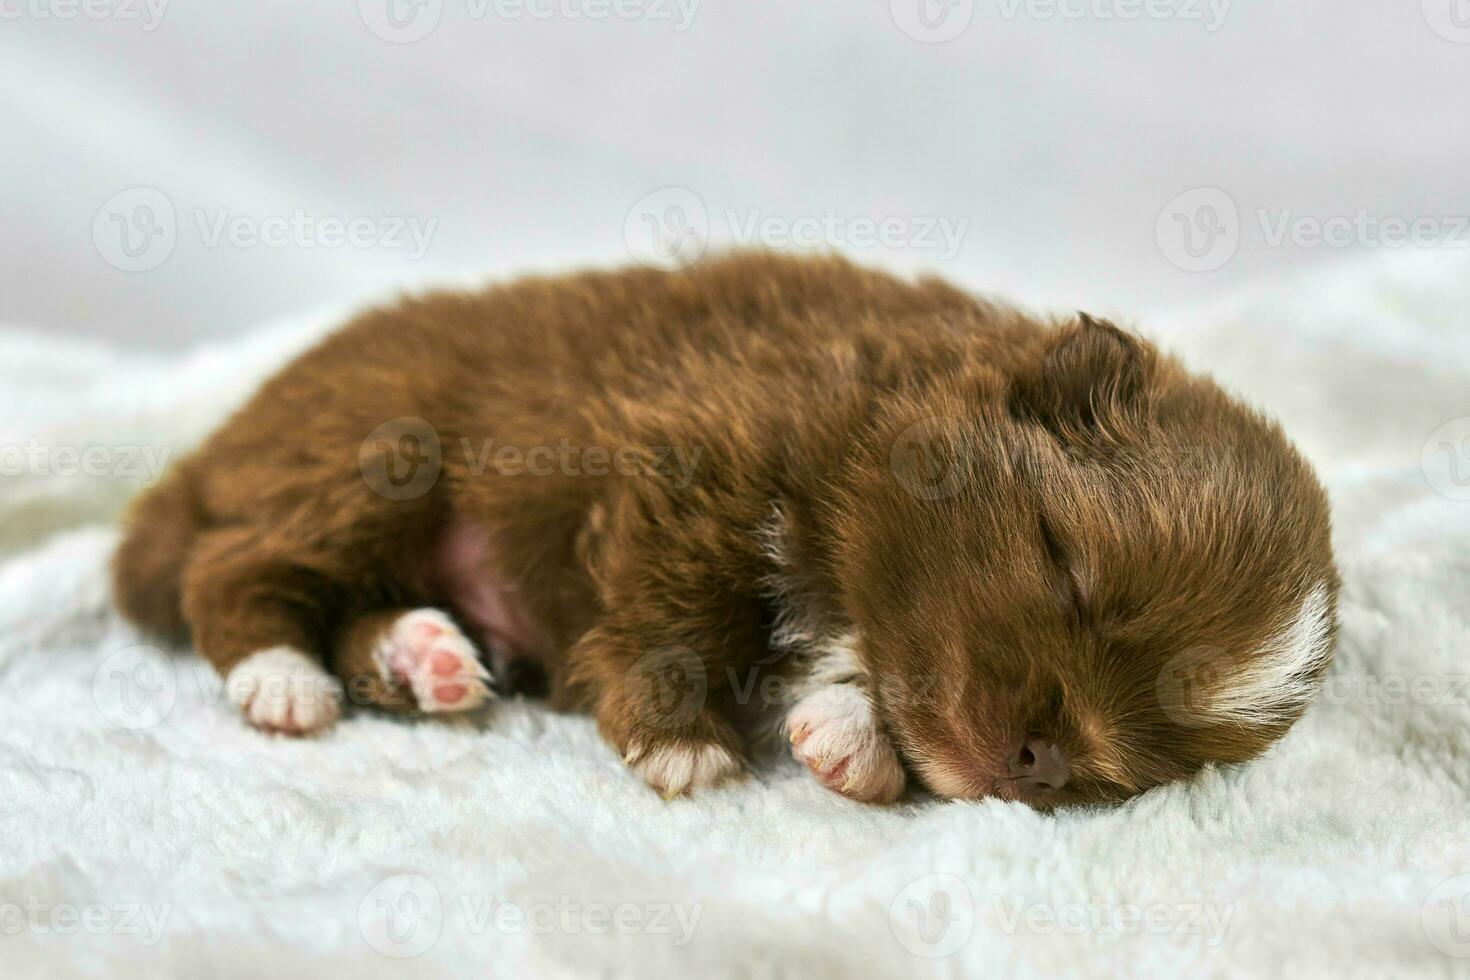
410,659
258,617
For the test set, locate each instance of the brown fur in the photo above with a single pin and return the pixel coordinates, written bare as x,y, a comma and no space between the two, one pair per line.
1073,510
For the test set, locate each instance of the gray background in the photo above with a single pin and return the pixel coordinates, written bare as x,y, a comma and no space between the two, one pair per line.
528,140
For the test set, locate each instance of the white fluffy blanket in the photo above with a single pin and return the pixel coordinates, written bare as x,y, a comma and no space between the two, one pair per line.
148,832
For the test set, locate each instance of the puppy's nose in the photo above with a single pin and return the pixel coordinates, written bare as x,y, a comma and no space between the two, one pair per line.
1040,765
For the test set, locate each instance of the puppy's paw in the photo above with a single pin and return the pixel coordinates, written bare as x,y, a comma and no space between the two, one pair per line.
834,732
676,768
426,651
284,690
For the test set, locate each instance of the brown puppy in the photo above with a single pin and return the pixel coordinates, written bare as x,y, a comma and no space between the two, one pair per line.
1027,559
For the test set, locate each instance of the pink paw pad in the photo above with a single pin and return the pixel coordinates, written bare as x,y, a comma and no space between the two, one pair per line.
425,650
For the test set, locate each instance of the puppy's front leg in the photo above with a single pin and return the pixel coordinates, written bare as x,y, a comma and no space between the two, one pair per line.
835,731
681,618
658,710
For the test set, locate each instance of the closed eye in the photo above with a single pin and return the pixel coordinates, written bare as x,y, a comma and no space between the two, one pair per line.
1064,575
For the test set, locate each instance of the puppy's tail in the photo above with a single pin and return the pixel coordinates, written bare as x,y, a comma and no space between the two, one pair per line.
148,567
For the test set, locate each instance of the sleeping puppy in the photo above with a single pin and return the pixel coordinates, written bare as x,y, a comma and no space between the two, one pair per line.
925,534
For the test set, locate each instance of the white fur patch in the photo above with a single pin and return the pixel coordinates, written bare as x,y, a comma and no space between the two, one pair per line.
1281,678
831,724
835,661
283,690
797,626
677,769
834,732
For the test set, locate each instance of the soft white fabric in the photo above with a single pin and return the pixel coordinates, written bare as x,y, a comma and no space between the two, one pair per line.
253,855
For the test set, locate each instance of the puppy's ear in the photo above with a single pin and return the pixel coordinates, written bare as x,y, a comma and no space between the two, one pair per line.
1090,375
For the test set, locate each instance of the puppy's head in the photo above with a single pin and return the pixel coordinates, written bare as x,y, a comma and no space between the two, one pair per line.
1084,572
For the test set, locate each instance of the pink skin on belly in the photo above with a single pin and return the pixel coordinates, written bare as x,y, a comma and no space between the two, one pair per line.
463,569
